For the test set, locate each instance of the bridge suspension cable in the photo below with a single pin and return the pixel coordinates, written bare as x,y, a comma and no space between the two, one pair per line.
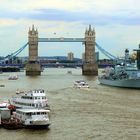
15,53
109,55
20,50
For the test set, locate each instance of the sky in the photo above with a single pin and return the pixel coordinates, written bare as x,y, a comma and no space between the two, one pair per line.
116,23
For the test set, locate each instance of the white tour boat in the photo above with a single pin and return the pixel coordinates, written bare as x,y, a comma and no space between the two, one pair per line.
30,99
81,84
33,117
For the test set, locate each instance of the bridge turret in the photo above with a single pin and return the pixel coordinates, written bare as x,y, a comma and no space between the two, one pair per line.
86,32
90,65
36,31
33,66
89,27
33,28
33,44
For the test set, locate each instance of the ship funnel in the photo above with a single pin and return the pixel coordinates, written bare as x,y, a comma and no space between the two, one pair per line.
126,54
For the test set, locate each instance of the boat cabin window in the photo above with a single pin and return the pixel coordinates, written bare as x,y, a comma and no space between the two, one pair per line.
41,91
29,114
26,97
44,97
44,113
33,113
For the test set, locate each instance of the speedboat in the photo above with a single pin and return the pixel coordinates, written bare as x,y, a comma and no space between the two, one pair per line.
81,84
69,72
13,77
4,104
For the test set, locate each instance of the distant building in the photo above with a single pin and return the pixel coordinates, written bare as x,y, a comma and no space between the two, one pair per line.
70,56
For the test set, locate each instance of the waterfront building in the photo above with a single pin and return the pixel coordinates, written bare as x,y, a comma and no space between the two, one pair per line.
70,56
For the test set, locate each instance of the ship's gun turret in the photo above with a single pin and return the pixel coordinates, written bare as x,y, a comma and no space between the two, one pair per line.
138,57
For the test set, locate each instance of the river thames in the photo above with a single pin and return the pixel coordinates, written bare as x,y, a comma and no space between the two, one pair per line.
98,113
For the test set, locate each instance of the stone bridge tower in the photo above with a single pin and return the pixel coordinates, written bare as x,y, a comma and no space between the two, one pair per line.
33,66
90,66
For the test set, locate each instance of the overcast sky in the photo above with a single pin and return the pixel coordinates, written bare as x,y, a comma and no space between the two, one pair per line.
116,23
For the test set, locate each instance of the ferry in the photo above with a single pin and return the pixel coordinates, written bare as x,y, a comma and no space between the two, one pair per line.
30,99
81,84
35,118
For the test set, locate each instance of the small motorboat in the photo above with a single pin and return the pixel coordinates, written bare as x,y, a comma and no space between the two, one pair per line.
69,72
2,85
13,77
81,84
4,104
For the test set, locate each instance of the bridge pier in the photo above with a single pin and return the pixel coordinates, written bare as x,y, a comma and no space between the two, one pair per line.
33,66
33,69
90,66
90,69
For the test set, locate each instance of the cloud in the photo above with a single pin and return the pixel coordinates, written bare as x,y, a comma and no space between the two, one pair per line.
73,16
95,12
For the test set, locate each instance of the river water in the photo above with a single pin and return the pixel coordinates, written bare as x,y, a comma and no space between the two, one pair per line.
98,113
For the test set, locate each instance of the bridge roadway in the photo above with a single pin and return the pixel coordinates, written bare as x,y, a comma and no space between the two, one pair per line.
12,66
61,39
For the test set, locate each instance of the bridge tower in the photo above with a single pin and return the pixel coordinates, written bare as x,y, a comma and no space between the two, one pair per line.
90,66
33,67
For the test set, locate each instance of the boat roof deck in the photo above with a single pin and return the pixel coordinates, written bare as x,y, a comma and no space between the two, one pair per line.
35,92
32,110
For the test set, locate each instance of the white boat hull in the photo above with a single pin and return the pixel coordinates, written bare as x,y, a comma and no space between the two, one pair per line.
37,123
128,83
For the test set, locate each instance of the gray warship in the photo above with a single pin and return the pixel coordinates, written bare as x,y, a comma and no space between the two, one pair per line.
125,74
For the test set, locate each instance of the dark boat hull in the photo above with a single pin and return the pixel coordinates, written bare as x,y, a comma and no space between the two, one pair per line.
37,126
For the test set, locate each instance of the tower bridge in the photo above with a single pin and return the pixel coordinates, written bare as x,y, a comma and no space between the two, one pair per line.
89,66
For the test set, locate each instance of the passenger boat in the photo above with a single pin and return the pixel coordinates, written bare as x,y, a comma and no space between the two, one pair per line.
30,99
81,84
35,118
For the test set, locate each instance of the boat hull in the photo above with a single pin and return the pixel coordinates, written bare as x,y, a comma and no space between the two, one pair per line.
37,126
126,83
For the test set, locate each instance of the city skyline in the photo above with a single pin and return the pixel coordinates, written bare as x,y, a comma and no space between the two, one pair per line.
116,23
